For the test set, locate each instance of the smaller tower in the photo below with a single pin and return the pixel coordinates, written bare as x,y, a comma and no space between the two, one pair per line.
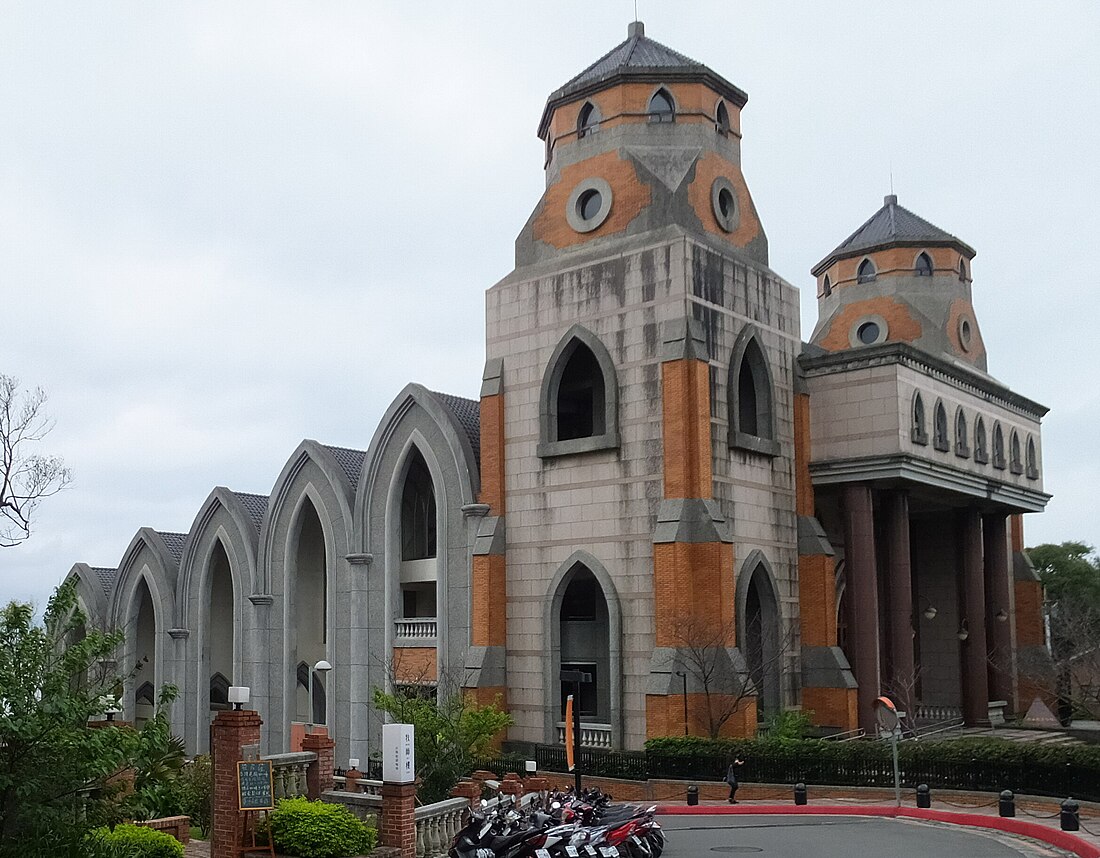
899,278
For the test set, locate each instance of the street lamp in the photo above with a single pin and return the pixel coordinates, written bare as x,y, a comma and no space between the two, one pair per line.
238,696
320,667
683,675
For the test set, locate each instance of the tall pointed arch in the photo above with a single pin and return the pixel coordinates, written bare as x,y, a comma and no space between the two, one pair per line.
581,567
940,438
579,400
588,120
750,395
759,629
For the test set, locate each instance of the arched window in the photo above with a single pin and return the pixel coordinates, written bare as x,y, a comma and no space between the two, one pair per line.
924,265
588,120
580,397
981,443
302,675
962,443
722,119
1032,460
1016,463
998,446
962,269
866,272
219,692
939,429
826,287
760,635
919,430
751,404
417,511
661,108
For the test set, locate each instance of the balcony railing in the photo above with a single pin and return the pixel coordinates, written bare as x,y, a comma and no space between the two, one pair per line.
417,628
592,735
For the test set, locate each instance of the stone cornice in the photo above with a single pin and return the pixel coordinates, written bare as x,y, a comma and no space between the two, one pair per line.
912,469
826,363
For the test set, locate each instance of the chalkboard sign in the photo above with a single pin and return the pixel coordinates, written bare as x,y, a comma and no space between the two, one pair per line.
254,785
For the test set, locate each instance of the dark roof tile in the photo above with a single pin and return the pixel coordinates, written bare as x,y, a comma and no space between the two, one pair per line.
350,461
106,578
468,414
891,224
255,506
174,543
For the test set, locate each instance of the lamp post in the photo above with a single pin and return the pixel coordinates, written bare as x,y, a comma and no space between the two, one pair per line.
238,696
320,667
683,676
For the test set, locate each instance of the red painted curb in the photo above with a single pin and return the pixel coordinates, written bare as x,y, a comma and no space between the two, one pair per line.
1053,836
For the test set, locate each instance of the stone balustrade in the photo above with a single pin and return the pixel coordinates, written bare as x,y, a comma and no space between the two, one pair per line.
436,826
288,773
592,735
419,628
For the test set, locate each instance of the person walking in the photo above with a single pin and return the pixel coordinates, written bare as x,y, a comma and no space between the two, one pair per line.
731,778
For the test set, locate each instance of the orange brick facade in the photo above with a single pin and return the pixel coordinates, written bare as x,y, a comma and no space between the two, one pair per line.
903,328
709,168
489,620
685,390
414,664
492,453
632,195
664,715
894,261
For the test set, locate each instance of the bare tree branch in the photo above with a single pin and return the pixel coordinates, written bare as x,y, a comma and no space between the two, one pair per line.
25,477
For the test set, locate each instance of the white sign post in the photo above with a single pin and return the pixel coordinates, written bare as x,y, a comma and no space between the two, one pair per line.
398,757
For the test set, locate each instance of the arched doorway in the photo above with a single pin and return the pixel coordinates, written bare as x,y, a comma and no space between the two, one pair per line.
585,638
308,628
760,639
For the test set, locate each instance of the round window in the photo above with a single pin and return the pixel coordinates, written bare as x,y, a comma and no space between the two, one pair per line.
868,333
588,206
966,334
723,200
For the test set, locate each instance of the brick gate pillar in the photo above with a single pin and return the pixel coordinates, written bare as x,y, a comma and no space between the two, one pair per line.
319,774
230,732
399,818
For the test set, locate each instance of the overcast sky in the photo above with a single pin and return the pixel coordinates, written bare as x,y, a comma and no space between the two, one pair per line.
228,226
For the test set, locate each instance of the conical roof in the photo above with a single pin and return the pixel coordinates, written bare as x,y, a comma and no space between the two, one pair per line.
891,225
639,58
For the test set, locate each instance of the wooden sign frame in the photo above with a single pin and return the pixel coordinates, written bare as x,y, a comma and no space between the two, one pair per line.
270,785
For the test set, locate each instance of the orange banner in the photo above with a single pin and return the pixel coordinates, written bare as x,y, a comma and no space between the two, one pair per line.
570,762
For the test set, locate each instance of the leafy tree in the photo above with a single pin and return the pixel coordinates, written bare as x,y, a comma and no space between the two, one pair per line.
1070,573
450,732
57,775
25,477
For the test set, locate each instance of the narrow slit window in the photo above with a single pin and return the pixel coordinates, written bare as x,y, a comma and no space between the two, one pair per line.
981,443
998,446
919,429
588,120
962,446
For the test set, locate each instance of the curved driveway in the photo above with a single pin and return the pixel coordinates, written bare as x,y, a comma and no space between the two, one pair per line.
726,836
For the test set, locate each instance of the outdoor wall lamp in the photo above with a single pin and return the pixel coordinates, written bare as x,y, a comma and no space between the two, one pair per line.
238,696
964,631
929,609
320,667
1001,616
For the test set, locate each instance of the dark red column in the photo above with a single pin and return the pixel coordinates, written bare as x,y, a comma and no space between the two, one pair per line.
899,605
998,598
862,590
975,661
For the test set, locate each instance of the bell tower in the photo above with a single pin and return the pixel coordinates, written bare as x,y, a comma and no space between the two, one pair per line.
637,420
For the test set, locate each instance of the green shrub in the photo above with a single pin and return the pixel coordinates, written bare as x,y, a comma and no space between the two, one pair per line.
133,841
195,786
316,829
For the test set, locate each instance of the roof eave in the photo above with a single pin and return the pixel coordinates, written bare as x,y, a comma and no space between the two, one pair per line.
964,248
651,74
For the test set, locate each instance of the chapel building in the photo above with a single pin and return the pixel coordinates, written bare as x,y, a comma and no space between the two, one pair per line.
661,486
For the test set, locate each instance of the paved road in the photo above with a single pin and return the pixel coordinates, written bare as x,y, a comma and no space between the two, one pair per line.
837,837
